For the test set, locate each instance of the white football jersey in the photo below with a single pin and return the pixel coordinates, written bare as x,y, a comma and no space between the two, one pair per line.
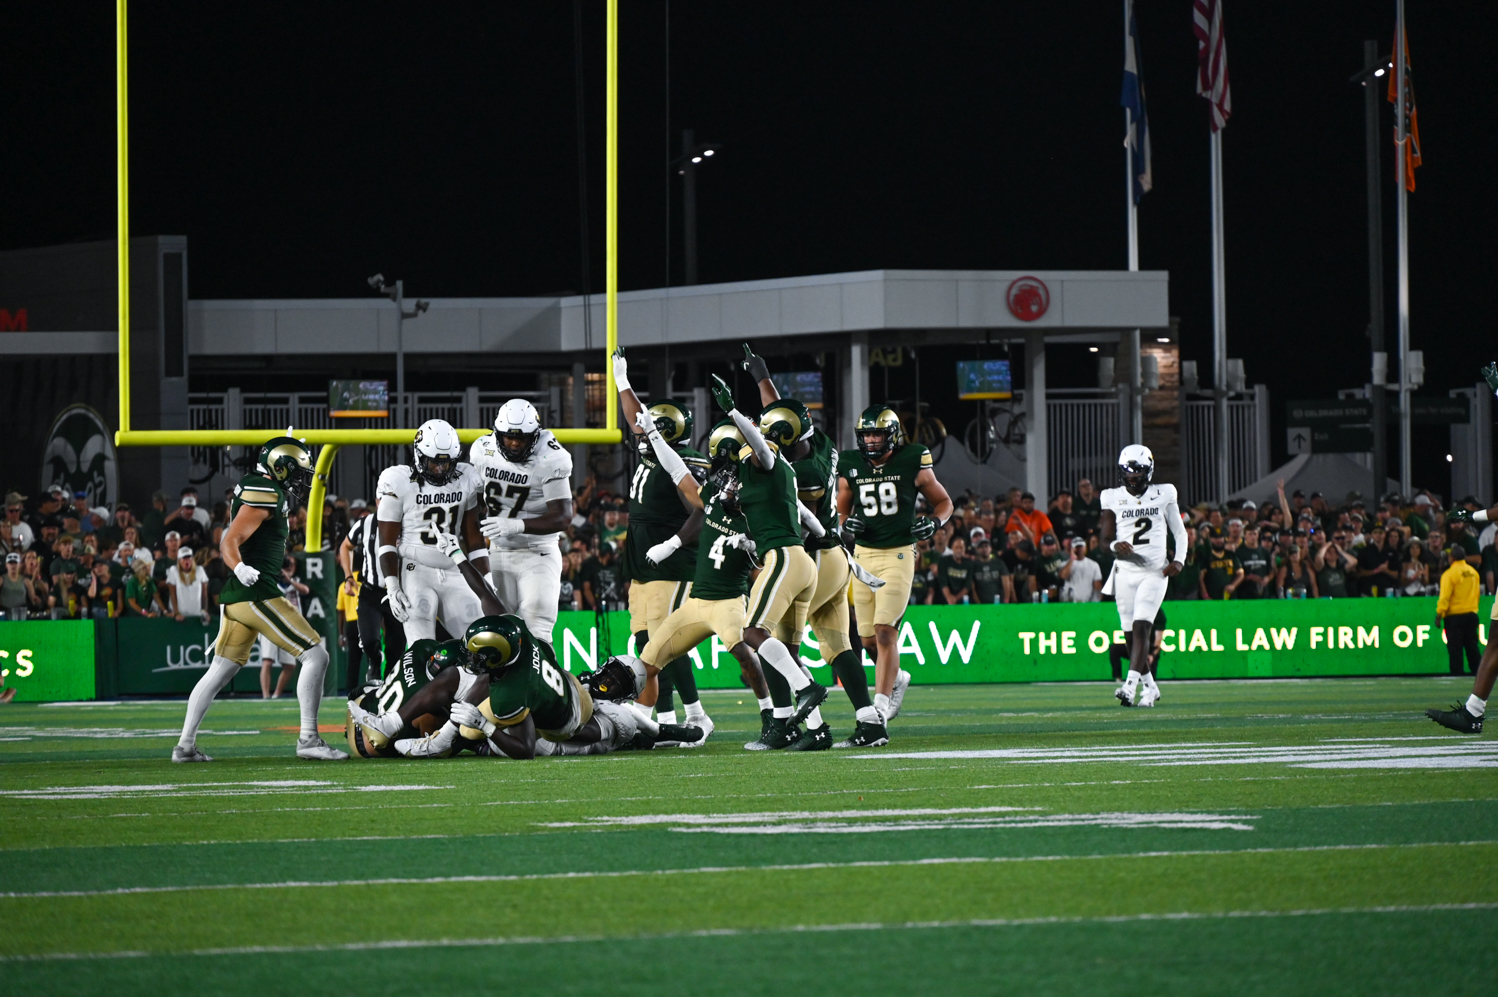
1144,521
521,491
423,508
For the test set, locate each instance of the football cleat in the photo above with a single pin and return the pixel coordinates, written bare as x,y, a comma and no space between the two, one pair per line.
815,739
378,728
1457,718
897,694
684,735
705,723
181,754
317,749
438,744
765,716
1124,696
1148,696
779,735
808,699
866,735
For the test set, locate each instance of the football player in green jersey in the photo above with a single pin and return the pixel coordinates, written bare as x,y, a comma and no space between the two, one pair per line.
414,700
658,562
877,498
251,603
767,495
814,457
725,557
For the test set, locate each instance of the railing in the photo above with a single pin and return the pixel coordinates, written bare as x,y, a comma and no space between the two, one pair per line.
1248,445
1084,439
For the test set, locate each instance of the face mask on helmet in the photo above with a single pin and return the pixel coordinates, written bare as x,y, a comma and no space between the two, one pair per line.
517,430
493,643
876,442
1135,475
287,461
437,450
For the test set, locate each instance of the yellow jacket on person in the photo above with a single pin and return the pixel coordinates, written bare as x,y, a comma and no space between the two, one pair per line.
1460,588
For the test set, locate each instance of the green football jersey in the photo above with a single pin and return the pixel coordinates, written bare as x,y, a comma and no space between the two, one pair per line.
422,661
533,685
884,494
816,487
768,499
655,513
265,549
722,571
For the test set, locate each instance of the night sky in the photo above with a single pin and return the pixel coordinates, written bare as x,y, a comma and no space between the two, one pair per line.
302,147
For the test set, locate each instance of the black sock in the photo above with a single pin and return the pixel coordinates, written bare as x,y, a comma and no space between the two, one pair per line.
849,670
1116,655
780,689
686,680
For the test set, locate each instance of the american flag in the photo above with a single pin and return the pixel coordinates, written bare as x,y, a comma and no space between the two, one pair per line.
1407,133
1212,56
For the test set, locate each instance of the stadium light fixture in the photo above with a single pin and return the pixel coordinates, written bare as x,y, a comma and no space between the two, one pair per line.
693,154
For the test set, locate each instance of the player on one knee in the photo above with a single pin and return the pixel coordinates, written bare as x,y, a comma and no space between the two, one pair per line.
251,603
814,457
767,496
437,493
1136,518
527,495
876,497
659,560
1467,717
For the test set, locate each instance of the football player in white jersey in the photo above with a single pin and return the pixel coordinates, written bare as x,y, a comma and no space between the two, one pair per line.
436,493
527,500
1134,523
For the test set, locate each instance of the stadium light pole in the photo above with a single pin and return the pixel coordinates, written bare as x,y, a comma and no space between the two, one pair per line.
397,293
1375,68
692,156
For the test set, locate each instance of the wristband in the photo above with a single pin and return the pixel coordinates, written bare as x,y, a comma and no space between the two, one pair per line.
1480,516
477,553
388,549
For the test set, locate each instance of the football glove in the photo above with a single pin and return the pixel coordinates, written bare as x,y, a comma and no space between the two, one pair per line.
663,550
501,525
755,365
645,422
247,575
467,715
739,541
400,603
1462,515
722,394
853,526
923,528
448,544
621,370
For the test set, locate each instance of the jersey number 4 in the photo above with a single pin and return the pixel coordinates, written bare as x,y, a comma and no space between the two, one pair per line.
441,518
887,503
496,494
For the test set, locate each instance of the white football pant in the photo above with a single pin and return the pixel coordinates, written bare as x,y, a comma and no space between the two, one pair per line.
438,592
1139,593
529,584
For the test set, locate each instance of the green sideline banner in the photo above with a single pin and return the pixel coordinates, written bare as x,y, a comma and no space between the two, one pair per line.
1027,642
47,660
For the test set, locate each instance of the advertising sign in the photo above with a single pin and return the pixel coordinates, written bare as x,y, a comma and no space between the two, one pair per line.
46,660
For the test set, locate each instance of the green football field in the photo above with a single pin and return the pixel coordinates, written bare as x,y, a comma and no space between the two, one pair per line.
1259,837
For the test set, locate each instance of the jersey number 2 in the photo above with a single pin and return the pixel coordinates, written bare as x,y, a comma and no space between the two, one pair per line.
1141,532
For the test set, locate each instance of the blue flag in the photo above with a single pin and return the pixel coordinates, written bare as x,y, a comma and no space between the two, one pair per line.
1138,138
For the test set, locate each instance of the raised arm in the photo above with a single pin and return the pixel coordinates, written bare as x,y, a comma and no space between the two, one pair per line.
627,396
670,461
764,454
760,371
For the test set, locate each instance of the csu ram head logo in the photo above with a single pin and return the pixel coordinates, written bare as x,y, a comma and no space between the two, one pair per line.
80,456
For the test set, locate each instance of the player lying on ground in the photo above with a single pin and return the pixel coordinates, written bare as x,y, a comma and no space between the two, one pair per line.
767,496
1134,523
660,550
251,602
1467,717
876,497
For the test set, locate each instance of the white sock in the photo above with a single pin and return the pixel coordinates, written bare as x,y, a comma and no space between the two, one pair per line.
779,657
668,717
646,724
641,709
218,675
695,711
1476,707
314,662
783,712
1149,682
767,703
881,703
867,715
814,719
1132,681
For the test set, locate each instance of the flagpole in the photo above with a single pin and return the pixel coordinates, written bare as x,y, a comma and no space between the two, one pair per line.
1136,374
1401,177
1219,324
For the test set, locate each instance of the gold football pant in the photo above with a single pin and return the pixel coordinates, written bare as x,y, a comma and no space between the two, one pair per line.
895,566
788,576
651,602
277,620
826,607
686,628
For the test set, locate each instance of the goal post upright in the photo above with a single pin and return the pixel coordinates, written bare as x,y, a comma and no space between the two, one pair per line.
332,440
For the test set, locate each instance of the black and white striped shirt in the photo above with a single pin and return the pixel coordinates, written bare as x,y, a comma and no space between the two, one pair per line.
364,537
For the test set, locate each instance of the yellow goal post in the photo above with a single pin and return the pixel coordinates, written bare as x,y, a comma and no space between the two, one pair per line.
331,440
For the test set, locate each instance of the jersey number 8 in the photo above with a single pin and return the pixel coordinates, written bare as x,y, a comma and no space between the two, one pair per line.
888,502
553,678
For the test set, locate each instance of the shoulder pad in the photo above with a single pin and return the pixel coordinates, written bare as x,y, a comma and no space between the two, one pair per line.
926,460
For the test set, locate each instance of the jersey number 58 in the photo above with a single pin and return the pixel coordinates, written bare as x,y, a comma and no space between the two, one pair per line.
886,504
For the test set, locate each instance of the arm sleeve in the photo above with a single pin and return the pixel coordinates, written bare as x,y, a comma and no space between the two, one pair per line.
1443,604
755,439
1177,528
388,503
809,520
671,461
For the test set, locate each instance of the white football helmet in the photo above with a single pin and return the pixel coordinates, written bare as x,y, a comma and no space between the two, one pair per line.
437,451
1136,467
517,430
